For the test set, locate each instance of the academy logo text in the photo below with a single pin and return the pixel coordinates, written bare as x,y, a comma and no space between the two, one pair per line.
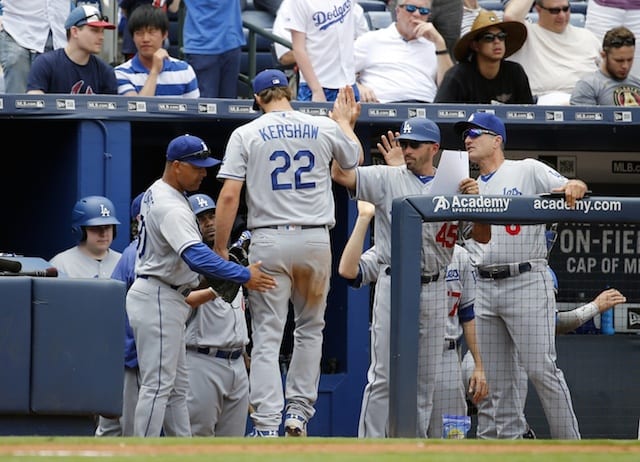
471,204
581,205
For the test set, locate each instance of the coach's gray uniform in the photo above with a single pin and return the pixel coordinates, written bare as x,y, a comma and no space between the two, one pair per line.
515,315
218,396
157,312
284,158
380,185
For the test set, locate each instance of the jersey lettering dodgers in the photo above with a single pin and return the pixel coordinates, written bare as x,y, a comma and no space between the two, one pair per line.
518,243
290,186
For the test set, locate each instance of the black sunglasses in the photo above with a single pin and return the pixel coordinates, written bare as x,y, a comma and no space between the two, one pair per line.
412,143
412,9
476,132
203,154
620,42
564,9
85,20
489,37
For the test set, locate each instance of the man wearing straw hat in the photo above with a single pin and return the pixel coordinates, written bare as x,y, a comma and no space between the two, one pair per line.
482,76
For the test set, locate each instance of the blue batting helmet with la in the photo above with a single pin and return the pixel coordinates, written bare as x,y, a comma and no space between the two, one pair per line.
201,203
93,211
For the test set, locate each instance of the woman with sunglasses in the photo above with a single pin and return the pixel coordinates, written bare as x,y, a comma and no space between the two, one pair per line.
556,53
482,76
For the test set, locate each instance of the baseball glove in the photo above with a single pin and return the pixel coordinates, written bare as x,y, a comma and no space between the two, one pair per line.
225,288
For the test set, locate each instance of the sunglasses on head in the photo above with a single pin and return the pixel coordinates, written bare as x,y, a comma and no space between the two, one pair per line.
488,37
411,143
557,10
203,154
412,9
618,42
476,132
86,19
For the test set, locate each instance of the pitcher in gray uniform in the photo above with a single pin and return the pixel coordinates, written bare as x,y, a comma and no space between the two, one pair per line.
216,337
284,156
170,257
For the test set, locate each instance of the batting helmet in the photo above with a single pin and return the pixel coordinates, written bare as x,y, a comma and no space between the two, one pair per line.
93,211
201,203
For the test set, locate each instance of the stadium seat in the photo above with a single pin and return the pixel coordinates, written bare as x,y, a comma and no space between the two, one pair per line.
378,19
577,19
373,5
495,5
579,7
264,55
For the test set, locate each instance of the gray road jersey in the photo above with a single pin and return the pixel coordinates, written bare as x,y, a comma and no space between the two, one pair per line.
380,185
74,263
284,159
168,228
219,324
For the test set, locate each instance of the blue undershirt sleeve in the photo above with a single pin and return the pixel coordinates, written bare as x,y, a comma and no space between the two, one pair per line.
205,261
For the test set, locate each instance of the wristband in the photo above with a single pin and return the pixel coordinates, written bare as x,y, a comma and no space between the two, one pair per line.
215,294
442,52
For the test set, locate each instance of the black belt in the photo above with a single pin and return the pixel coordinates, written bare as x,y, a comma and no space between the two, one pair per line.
184,292
452,344
423,279
224,354
292,227
503,271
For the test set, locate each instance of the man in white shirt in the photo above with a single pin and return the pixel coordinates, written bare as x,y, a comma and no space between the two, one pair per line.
404,61
556,54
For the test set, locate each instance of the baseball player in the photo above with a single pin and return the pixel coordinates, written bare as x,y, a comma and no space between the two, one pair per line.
419,139
216,337
170,257
515,303
284,156
93,222
449,395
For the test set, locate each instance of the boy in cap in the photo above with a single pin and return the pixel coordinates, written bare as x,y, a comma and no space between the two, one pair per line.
75,68
482,76
171,256
419,139
515,303
284,156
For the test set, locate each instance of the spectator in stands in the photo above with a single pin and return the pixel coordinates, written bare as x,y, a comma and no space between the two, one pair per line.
470,10
285,56
28,28
612,84
127,8
556,54
482,76
322,36
152,72
603,15
390,62
75,68
213,40
446,16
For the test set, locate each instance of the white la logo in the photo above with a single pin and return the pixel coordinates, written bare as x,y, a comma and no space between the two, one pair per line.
202,202
105,212
407,128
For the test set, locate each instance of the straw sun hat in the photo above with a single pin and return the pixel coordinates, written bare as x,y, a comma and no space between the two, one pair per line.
516,34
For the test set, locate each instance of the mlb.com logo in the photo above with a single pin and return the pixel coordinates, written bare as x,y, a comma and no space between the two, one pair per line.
633,318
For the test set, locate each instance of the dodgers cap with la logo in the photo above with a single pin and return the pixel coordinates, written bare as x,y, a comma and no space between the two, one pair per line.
419,129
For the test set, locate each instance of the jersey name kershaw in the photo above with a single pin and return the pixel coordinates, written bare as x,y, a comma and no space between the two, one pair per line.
476,203
271,132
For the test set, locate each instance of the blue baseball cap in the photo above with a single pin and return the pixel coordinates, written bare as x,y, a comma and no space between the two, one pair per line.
419,129
190,149
201,203
269,78
87,15
484,120
135,205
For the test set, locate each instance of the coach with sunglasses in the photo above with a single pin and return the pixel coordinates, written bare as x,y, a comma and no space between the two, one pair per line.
482,76
556,54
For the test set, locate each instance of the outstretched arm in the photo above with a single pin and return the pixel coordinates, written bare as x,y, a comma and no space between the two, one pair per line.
350,258
566,321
